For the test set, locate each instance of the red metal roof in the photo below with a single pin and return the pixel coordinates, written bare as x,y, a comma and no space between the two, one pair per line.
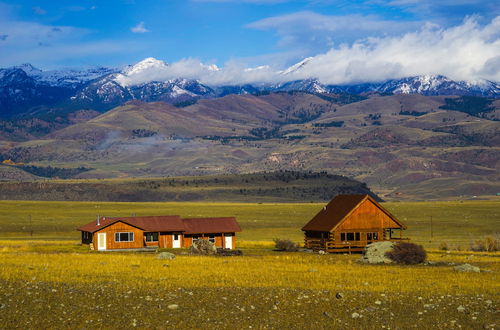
211,225
337,210
148,223
169,223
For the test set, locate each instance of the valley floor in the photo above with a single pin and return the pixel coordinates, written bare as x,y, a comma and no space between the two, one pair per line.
41,288
49,280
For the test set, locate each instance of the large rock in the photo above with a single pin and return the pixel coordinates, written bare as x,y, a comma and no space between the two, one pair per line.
203,246
375,253
467,268
166,255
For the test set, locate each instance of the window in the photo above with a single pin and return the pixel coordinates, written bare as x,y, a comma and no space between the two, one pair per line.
195,238
151,237
124,237
211,238
372,236
350,236
176,237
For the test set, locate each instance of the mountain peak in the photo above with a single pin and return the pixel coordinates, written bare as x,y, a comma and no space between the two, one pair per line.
145,64
28,68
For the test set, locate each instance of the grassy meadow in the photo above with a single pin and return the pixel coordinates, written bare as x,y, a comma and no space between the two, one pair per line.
456,223
48,280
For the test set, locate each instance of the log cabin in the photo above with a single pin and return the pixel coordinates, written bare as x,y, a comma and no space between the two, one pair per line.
349,223
107,233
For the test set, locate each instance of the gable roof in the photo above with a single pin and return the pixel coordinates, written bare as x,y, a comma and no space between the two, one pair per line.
169,223
338,209
211,225
148,223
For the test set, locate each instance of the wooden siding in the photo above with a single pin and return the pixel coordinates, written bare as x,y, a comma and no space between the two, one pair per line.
366,216
165,239
120,227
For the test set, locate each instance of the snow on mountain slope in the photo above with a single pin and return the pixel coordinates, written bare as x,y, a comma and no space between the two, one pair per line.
70,78
297,67
153,70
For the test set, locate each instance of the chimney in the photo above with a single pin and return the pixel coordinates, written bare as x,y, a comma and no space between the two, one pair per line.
98,220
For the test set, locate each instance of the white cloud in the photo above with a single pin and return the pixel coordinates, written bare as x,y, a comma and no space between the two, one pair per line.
312,32
464,52
49,45
139,28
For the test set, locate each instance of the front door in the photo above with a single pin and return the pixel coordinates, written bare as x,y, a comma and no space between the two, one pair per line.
101,241
176,241
228,241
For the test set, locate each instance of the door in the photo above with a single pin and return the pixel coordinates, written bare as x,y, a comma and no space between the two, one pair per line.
228,241
176,241
101,241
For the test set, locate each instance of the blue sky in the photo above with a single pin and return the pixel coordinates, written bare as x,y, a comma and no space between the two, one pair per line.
65,33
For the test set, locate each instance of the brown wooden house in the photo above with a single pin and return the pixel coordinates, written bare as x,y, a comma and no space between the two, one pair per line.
106,233
349,223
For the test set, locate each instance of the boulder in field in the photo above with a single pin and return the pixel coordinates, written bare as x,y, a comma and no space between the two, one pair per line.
375,253
166,255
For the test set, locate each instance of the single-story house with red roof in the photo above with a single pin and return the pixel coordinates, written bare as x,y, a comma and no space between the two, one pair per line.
112,233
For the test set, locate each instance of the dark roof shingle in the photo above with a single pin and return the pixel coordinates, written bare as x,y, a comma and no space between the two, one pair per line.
169,223
148,223
334,212
211,225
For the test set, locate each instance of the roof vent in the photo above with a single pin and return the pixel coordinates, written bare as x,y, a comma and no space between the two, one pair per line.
98,220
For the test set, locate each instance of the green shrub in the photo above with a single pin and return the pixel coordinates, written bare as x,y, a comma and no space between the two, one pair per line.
285,245
407,253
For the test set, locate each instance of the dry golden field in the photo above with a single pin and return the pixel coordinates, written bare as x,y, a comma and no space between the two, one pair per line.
50,281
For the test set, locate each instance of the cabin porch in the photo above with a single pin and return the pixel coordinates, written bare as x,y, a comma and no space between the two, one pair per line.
350,240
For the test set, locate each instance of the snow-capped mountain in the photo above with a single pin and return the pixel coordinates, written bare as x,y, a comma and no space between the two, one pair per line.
71,78
425,85
143,81
24,87
306,85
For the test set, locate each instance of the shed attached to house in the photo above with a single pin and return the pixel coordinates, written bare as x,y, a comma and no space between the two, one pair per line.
106,233
349,223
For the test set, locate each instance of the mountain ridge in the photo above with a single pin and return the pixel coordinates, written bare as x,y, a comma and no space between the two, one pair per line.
24,88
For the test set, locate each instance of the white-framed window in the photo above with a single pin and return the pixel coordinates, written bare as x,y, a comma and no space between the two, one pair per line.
195,238
124,237
151,237
211,238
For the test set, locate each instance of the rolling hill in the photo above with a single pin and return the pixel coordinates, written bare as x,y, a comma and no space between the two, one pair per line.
403,146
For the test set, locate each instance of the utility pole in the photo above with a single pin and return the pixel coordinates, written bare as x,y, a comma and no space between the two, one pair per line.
31,226
432,233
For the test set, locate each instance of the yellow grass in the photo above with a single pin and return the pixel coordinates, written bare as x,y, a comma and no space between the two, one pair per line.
57,283
261,289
